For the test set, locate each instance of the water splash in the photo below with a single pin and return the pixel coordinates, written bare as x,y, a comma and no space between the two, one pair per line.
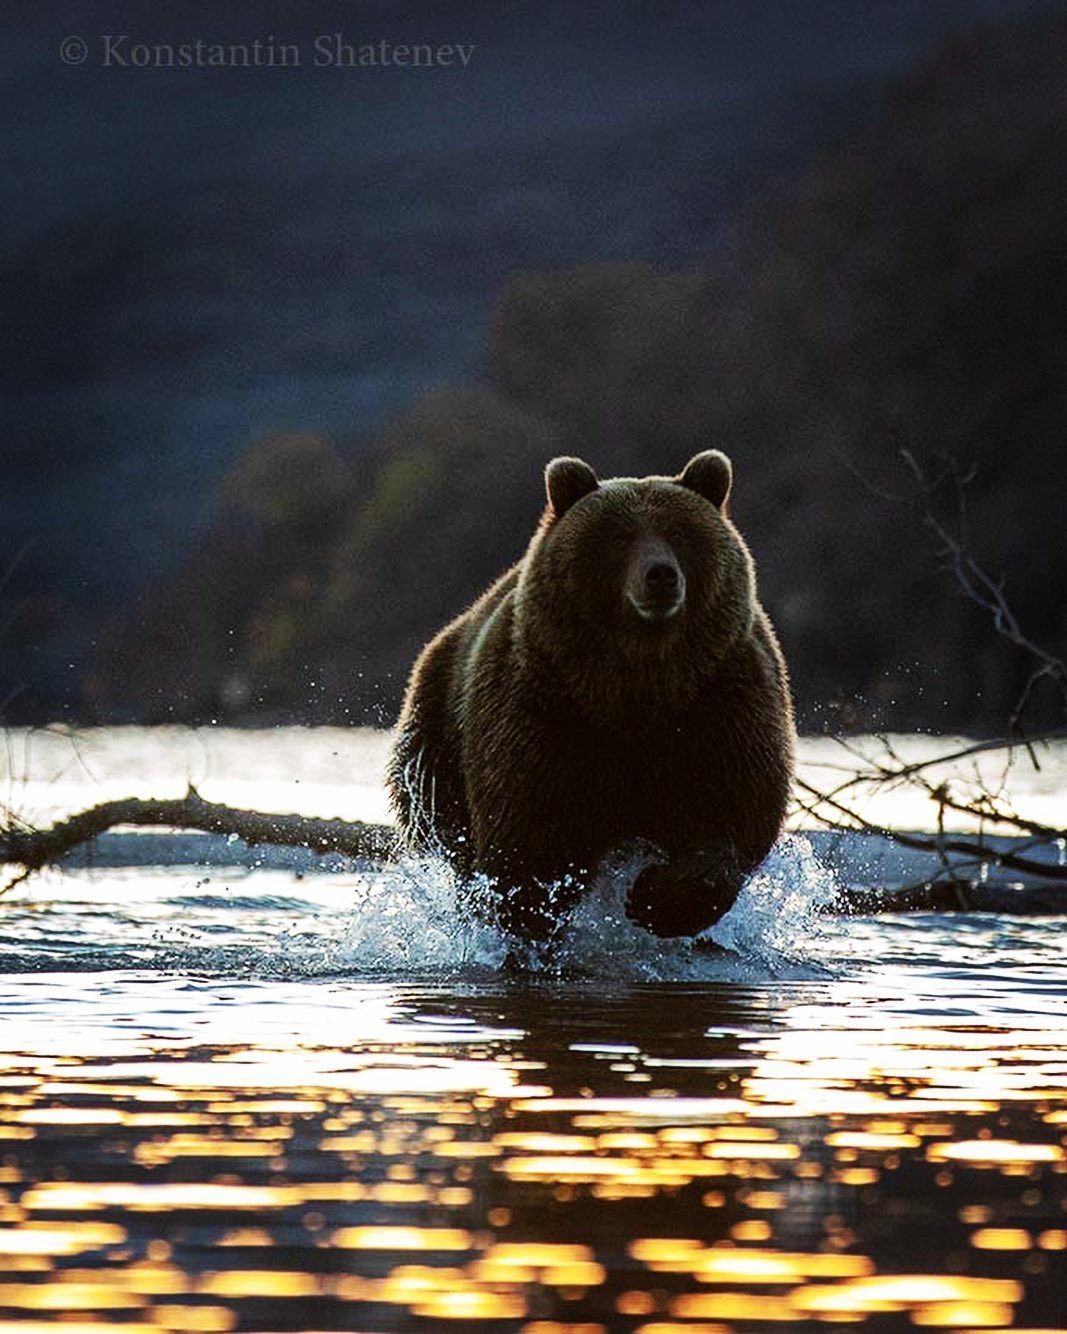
414,917
417,918
770,930
777,918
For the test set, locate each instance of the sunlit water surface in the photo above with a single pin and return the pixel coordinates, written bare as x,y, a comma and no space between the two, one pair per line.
255,1100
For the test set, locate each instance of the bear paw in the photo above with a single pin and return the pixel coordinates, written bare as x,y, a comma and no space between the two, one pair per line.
685,896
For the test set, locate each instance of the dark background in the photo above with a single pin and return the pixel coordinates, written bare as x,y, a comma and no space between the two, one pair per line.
285,349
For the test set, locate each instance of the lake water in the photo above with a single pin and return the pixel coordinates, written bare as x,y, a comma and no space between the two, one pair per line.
267,1098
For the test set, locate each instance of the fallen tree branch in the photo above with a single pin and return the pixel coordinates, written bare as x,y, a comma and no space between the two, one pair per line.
34,848
976,848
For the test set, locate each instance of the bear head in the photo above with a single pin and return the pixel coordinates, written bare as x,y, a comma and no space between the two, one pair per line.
634,590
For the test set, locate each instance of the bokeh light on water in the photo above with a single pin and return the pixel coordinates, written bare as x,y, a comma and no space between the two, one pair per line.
215,1154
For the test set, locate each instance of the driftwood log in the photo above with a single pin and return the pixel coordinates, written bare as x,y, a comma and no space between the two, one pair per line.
32,849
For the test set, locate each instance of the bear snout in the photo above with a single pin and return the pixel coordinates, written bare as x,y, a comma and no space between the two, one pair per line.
661,580
655,586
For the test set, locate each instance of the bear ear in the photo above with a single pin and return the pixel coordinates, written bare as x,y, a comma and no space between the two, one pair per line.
709,474
567,480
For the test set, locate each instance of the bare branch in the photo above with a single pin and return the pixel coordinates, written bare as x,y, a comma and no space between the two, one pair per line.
982,854
34,848
983,589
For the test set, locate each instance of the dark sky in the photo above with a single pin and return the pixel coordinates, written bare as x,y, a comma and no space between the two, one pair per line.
194,257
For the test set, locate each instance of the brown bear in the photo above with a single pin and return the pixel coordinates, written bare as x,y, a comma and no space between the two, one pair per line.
619,686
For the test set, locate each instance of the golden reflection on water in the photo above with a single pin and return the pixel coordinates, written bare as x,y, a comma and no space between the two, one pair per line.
900,1179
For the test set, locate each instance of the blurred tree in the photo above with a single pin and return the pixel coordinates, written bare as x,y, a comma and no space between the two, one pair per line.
292,481
455,498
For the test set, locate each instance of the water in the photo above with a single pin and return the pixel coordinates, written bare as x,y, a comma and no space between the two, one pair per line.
260,1099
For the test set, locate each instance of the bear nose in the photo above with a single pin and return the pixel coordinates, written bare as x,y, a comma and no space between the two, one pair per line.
656,584
661,579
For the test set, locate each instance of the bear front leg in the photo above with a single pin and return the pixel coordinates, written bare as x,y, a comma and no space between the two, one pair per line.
687,894
530,832
531,889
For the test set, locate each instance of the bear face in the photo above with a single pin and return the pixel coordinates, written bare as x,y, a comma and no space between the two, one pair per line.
635,589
